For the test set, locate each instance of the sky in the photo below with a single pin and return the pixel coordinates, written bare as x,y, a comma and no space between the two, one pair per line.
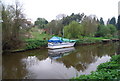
49,9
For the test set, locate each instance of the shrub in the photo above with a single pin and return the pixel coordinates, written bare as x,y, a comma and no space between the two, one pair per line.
31,44
105,71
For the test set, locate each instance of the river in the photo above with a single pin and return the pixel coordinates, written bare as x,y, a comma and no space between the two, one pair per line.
56,64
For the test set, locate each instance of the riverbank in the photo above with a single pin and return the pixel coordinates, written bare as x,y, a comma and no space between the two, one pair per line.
95,40
108,71
31,44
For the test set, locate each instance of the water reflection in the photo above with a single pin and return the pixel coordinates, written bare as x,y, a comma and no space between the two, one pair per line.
56,64
13,67
58,53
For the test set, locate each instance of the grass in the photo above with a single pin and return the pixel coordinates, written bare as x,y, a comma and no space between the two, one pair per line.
38,35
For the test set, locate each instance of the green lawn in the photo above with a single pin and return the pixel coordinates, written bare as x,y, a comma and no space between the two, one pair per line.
38,34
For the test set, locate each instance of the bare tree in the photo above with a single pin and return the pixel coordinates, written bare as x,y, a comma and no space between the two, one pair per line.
12,16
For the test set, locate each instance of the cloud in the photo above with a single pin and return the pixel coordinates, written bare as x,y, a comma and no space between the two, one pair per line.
49,9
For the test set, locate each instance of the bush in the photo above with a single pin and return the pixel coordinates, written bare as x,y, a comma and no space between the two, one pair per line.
88,41
31,44
73,30
105,71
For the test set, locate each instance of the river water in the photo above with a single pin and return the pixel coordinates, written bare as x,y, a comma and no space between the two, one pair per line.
56,64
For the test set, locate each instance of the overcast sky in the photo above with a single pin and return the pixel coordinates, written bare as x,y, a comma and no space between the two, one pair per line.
49,9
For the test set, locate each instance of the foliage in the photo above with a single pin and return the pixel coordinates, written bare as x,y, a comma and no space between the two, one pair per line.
106,31
89,40
12,16
31,44
112,28
101,21
73,30
73,17
113,21
118,23
55,27
38,40
105,71
41,22
90,25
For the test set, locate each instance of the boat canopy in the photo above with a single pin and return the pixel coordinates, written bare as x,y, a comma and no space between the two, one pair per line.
55,39
60,39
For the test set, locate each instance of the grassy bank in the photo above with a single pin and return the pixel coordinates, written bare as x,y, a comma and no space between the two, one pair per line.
88,40
40,41
93,40
32,44
108,71
35,43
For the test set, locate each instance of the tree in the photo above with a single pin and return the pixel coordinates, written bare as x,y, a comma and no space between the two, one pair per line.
12,17
73,17
73,30
108,21
7,25
101,21
41,22
18,19
102,31
90,25
113,21
112,28
55,27
118,23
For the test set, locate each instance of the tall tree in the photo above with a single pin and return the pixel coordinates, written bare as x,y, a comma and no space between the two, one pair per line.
55,27
118,23
41,22
12,17
73,17
101,21
18,18
108,21
90,25
113,21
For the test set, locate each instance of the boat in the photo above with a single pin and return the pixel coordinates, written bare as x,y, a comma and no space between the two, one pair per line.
59,42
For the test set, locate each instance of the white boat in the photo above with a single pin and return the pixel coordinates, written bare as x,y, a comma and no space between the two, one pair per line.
60,45
58,42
